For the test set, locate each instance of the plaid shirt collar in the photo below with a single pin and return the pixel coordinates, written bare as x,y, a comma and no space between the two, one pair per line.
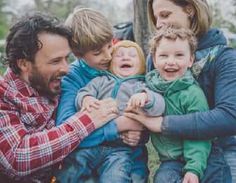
22,86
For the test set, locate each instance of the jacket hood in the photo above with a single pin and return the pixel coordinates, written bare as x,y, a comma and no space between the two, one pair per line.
156,83
212,38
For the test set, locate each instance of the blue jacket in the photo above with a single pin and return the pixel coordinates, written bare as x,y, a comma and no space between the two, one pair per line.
215,70
79,75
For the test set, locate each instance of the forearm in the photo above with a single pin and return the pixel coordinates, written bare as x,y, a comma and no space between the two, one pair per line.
201,125
25,153
106,133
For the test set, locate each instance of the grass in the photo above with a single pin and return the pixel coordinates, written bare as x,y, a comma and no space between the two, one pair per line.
153,161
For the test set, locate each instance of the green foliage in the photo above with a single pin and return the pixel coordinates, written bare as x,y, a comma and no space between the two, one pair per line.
3,20
153,161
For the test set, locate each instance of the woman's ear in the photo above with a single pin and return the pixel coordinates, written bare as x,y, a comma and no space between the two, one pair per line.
190,10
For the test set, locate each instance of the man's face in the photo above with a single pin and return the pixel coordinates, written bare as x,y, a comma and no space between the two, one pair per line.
50,64
99,59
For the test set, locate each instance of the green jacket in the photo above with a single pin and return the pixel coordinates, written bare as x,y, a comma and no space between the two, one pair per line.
181,96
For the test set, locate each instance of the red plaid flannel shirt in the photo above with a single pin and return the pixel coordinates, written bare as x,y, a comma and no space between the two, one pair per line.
29,140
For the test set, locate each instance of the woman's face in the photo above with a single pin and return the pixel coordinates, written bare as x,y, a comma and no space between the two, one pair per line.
166,12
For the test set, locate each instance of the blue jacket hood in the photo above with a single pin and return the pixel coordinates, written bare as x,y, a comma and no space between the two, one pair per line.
212,38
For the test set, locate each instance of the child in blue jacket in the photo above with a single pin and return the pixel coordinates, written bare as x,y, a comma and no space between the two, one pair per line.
92,45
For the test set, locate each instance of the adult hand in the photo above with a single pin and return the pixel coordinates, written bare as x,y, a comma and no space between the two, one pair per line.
151,123
124,124
190,177
106,112
131,138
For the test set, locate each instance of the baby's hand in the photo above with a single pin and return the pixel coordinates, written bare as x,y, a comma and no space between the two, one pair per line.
137,100
88,102
190,177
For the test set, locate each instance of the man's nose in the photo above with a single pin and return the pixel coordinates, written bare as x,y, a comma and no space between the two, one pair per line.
64,66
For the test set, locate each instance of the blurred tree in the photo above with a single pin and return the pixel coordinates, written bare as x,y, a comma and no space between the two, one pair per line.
141,31
3,20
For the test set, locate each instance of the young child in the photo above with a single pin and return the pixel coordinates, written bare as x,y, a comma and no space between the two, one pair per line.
92,45
126,84
173,54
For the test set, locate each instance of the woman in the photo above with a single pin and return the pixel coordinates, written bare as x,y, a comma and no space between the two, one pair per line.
215,70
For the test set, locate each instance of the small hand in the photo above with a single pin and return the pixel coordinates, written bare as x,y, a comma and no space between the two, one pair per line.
137,100
190,177
131,138
88,102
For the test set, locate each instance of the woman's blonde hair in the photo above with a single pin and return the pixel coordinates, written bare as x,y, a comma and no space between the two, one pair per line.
200,22
91,30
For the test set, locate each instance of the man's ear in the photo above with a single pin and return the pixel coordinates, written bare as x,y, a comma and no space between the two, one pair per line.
24,65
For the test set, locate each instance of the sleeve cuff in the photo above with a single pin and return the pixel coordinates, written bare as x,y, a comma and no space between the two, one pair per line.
82,123
111,132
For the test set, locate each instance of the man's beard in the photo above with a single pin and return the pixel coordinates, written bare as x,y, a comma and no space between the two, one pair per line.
41,84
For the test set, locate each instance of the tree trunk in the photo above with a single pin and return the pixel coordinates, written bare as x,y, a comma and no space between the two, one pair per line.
141,31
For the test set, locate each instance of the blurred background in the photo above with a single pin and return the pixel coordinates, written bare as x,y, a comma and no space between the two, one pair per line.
115,10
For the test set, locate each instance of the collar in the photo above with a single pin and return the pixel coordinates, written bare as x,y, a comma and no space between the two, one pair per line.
23,87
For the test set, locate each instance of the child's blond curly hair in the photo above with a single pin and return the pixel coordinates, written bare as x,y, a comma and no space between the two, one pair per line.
173,32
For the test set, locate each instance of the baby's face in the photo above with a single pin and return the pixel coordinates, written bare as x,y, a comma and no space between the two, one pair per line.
172,58
126,62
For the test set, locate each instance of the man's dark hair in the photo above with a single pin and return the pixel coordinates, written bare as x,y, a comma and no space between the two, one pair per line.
22,41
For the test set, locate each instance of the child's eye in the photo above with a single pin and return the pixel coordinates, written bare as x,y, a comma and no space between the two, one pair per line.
96,53
162,56
179,54
132,54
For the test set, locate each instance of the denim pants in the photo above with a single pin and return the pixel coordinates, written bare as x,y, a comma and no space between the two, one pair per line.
228,145
169,171
217,170
101,164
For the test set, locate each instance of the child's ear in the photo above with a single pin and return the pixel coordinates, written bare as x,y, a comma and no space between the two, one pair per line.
76,53
192,58
154,61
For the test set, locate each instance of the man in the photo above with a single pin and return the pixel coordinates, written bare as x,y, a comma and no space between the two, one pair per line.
37,49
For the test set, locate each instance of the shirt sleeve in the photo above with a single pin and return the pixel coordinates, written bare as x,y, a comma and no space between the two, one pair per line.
70,86
220,120
24,151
